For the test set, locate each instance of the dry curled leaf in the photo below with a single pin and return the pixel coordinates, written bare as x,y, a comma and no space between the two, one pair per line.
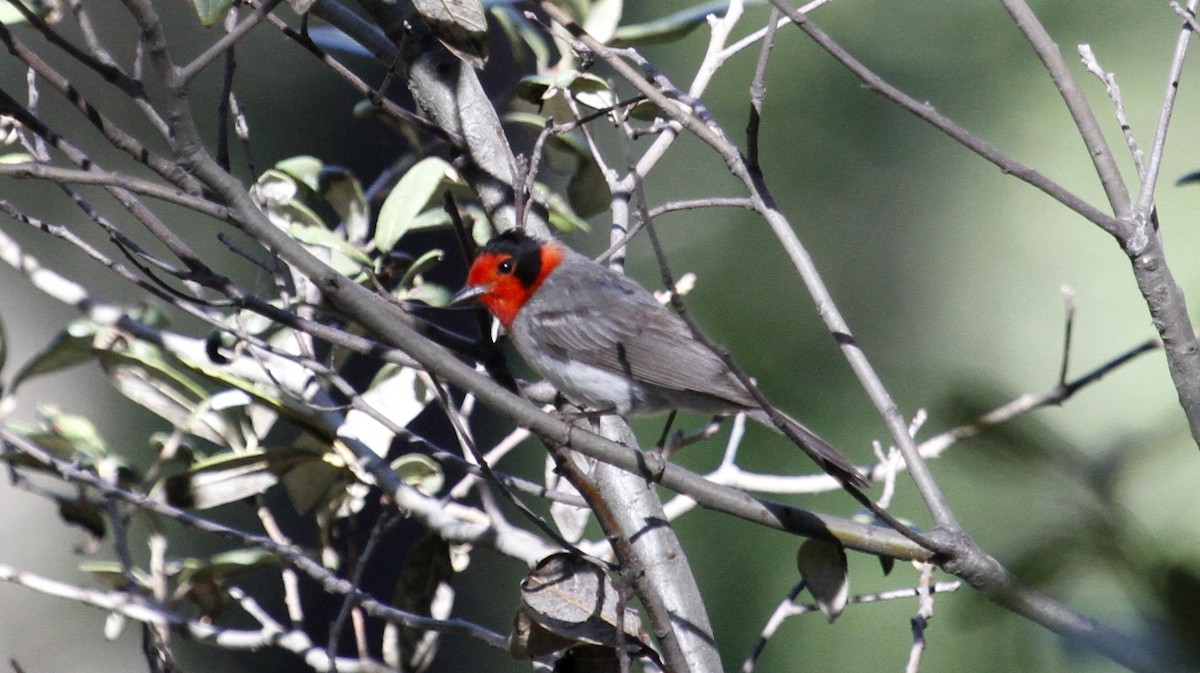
574,599
529,639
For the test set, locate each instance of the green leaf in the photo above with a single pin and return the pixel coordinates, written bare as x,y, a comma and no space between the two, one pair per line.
231,476
9,14
78,431
211,11
823,566
430,294
16,157
562,216
421,472
672,26
141,373
535,89
111,574
532,119
482,230
460,26
81,512
567,221
345,195
592,91
603,17
237,561
434,218
277,187
399,395
47,441
344,258
68,348
219,481
265,395
425,262
284,205
408,199
314,483
587,189
520,31
204,580
645,111
303,169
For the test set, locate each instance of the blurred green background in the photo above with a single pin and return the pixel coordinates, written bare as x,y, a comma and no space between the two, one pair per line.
948,271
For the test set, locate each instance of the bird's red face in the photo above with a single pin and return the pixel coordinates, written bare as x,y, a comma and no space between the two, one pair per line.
508,271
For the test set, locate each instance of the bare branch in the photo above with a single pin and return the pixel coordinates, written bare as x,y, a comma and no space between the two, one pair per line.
188,72
1085,121
97,176
1145,198
115,135
1114,226
286,553
1114,94
136,608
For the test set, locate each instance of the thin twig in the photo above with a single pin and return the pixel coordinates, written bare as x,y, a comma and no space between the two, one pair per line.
385,522
758,89
271,635
102,64
920,622
189,72
468,443
286,553
111,132
1085,120
1145,198
1114,94
98,176
787,608
926,112
1068,327
386,106
1188,17
801,260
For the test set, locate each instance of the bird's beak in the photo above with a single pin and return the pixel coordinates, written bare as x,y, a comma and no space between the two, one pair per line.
467,294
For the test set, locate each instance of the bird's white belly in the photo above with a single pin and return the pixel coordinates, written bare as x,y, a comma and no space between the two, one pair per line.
591,387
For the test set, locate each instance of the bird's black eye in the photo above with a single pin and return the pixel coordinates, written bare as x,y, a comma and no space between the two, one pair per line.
505,267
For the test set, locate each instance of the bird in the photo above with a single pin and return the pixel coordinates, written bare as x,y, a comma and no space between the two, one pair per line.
608,345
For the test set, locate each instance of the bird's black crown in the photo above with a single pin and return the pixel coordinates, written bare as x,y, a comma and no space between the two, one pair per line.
524,250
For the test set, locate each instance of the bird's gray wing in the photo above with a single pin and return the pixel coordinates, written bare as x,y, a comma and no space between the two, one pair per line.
609,321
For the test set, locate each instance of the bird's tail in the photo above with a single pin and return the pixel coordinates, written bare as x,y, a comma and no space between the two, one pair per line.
830,459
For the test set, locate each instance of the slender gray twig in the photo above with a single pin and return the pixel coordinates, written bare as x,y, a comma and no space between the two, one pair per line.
98,176
1145,198
188,72
1085,120
287,554
926,112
